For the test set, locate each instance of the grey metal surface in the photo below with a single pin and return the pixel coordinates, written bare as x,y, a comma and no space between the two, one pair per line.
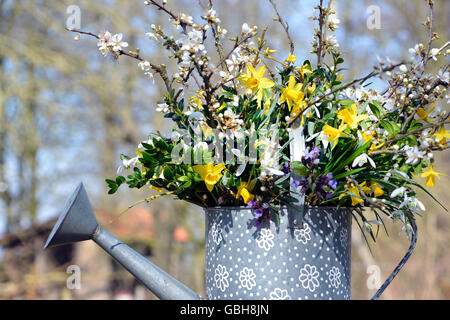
163,285
243,262
77,221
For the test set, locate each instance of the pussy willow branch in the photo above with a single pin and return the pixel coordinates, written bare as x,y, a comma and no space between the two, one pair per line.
359,80
284,24
161,69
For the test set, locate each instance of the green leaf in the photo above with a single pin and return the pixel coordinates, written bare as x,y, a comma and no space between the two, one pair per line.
299,168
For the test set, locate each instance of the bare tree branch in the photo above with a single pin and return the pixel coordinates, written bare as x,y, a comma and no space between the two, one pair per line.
284,24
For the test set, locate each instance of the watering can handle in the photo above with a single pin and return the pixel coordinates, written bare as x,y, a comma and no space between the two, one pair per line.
401,264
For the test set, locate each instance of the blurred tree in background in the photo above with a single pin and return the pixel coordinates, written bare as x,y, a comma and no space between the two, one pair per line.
66,114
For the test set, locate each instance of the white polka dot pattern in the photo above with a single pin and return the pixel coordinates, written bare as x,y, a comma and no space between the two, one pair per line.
277,262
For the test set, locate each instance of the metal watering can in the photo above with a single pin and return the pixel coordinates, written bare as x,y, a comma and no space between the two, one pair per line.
78,223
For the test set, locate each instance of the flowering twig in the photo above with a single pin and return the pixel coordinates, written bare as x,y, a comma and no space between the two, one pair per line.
284,24
161,69
412,132
359,80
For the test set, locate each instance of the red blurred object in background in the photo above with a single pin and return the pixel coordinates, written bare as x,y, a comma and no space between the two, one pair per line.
180,234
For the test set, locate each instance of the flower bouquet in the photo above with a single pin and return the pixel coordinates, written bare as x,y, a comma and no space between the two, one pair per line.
263,131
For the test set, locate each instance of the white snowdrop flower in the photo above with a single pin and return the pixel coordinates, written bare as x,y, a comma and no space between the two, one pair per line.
362,160
398,192
117,42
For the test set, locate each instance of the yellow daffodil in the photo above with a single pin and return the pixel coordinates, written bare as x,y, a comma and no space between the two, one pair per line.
355,195
430,174
254,80
291,58
266,106
244,193
210,174
333,133
442,135
423,114
312,88
376,188
293,96
303,69
351,117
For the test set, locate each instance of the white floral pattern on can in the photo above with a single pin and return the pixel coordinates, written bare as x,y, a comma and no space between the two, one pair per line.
309,277
279,294
221,277
335,277
216,234
247,278
303,235
265,239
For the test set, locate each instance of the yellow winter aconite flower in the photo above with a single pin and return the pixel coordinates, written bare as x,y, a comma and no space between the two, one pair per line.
351,117
333,133
430,174
442,135
254,80
293,96
303,69
291,58
244,193
210,174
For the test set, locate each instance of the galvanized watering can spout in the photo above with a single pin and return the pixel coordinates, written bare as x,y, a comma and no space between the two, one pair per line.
77,222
